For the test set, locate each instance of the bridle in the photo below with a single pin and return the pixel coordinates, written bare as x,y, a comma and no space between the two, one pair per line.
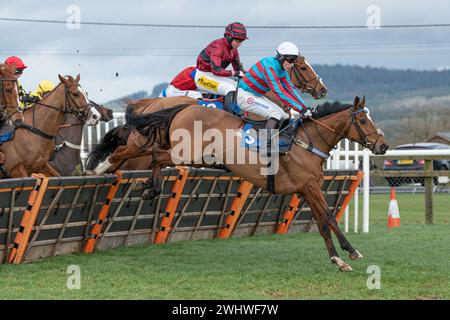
305,84
3,105
364,138
67,109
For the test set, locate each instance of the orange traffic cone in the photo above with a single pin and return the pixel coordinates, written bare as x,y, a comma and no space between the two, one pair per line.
394,214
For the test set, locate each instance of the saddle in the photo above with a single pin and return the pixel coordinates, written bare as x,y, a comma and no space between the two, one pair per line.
227,103
251,133
7,133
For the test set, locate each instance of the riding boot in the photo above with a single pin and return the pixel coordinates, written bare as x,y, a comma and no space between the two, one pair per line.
272,123
229,102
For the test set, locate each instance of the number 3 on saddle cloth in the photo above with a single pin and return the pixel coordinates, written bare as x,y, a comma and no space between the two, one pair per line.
250,129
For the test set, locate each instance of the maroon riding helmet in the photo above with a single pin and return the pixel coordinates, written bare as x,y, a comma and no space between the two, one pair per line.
236,30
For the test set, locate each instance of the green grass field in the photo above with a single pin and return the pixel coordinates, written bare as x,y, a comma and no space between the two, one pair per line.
414,261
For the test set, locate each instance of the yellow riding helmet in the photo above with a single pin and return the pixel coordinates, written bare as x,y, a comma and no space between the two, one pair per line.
45,86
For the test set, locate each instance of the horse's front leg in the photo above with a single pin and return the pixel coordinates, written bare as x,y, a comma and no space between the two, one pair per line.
49,171
160,159
18,171
313,195
3,172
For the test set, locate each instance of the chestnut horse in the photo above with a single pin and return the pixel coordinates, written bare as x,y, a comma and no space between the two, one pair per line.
9,92
35,129
300,170
9,96
122,143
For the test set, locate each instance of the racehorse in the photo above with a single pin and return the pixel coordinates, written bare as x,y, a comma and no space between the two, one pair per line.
121,144
9,96
300,169
66,157
9,92
35,129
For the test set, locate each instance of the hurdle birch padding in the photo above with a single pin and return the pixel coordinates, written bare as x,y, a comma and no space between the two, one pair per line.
108,211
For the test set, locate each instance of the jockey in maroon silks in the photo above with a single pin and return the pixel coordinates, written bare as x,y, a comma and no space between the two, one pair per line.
210,74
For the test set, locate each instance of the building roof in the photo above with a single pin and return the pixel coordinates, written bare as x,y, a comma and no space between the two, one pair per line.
444,135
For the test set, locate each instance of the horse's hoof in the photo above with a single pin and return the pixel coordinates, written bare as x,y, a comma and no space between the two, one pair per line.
88,173
355,255
343,267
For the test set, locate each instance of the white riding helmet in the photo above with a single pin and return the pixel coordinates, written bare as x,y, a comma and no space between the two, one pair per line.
288,49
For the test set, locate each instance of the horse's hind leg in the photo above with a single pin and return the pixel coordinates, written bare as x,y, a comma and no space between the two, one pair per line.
122,154
319,208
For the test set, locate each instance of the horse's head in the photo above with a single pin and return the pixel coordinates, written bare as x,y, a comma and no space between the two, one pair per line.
306,79
105,113
77,102
9,93
363,130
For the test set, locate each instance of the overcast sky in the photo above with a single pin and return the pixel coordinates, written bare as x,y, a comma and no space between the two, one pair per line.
144,57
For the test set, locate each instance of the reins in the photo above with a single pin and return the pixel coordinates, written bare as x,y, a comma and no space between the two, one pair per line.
66,110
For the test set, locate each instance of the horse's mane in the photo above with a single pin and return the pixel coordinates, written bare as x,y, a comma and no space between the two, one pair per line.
329,108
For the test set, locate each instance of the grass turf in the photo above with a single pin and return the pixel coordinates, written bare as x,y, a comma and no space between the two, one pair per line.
413,260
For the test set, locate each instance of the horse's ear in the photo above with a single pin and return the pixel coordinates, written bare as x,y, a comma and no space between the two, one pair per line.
356,102
62,79
363,102
77,78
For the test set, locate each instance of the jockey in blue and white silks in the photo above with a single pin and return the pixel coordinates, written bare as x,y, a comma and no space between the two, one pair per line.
272,74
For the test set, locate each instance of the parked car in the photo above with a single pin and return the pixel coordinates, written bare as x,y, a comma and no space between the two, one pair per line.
415,164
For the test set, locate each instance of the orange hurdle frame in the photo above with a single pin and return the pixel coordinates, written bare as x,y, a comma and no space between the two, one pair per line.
172,206
351,191
235,210
28,219
95,232
288,215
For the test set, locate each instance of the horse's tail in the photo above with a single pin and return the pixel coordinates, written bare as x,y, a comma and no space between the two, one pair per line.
151,124
114,138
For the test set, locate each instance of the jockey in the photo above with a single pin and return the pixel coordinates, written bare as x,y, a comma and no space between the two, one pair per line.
272,74
211,76
20,66
24,97
44,87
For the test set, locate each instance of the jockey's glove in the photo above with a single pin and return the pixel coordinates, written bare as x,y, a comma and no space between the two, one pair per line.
307,114
29,99
239,74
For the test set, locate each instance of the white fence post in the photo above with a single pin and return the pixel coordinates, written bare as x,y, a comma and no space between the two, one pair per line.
366,186
356,194
346,166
